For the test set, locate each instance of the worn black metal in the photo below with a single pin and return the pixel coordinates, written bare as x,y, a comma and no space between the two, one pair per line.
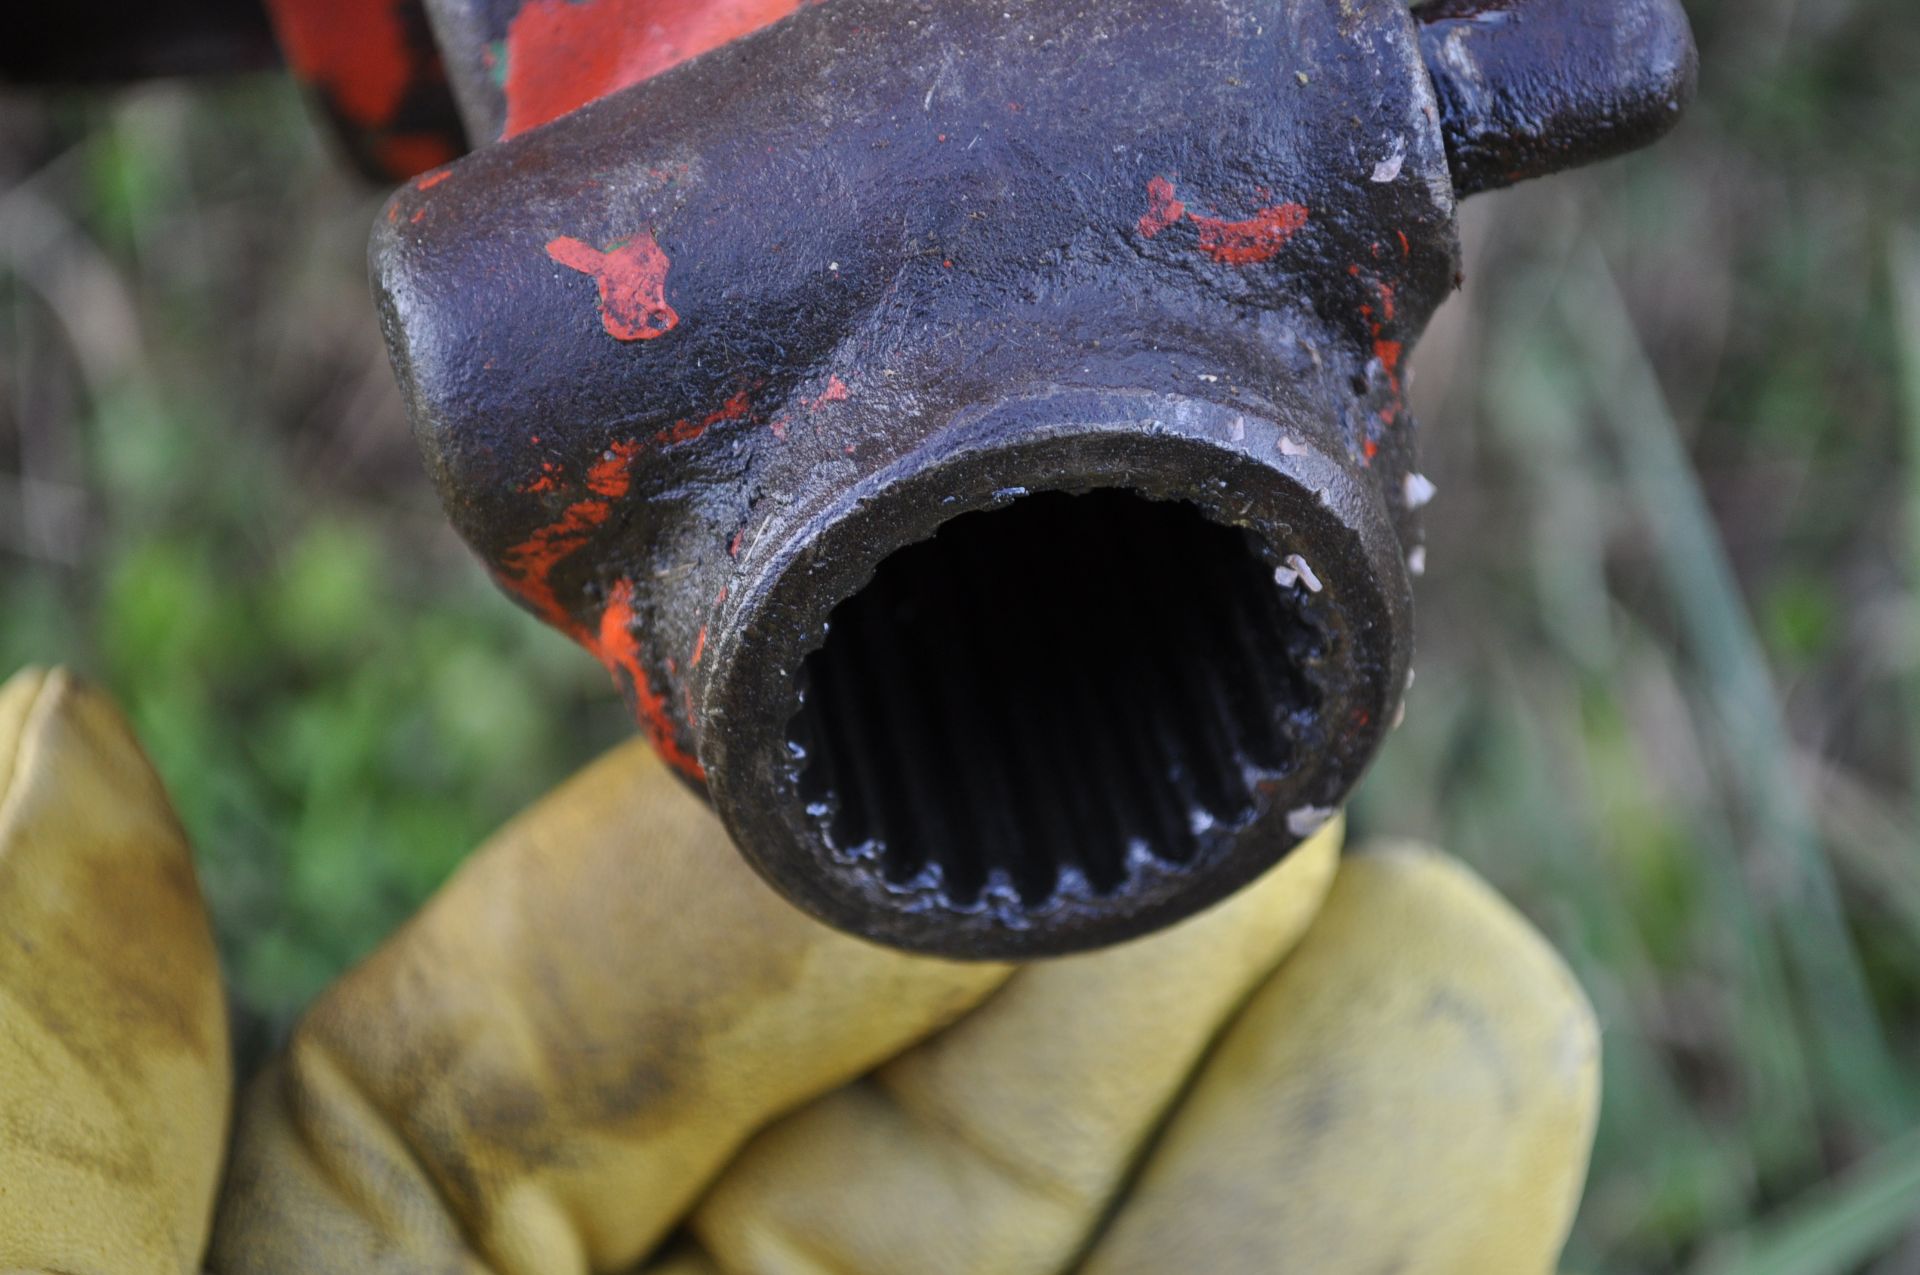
971,432
1533,87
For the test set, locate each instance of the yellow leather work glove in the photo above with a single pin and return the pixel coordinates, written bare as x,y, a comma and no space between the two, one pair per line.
606,1043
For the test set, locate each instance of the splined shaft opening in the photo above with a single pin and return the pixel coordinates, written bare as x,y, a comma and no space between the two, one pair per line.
1049,695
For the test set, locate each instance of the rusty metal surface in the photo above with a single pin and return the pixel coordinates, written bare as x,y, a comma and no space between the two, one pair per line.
970,433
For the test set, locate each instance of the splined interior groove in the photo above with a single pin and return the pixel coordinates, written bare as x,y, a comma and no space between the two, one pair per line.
1044,693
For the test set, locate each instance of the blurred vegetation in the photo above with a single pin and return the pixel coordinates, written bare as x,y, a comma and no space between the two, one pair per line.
1669,681
209,502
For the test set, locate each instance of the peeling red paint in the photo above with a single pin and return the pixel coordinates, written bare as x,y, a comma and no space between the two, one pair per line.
562,54
1258,238
633,284
699,648
836,392
618,648
1163,208
739,407
612,475
527,569
529,565
1386,351
1235,243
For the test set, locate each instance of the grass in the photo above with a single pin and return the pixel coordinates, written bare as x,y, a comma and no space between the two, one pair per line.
1669,677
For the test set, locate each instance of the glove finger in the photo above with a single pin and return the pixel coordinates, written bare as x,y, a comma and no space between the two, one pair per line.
686,1259
114,1071
996,1146
543,1070
1414,1090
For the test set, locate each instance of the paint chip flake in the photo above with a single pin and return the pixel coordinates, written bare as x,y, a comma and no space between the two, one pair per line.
1304,572
1308,820
1389,168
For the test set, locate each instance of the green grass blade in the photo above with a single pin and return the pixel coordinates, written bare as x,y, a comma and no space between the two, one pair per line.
1788,864
1904,270
1836,1226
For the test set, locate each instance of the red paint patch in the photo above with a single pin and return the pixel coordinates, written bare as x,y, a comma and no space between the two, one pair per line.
739,407
431,180
1235,243
617,647
1258,238
699,648
562,54
633,284
836,392
527,569
1386,351
405,154
1163,208
354,50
